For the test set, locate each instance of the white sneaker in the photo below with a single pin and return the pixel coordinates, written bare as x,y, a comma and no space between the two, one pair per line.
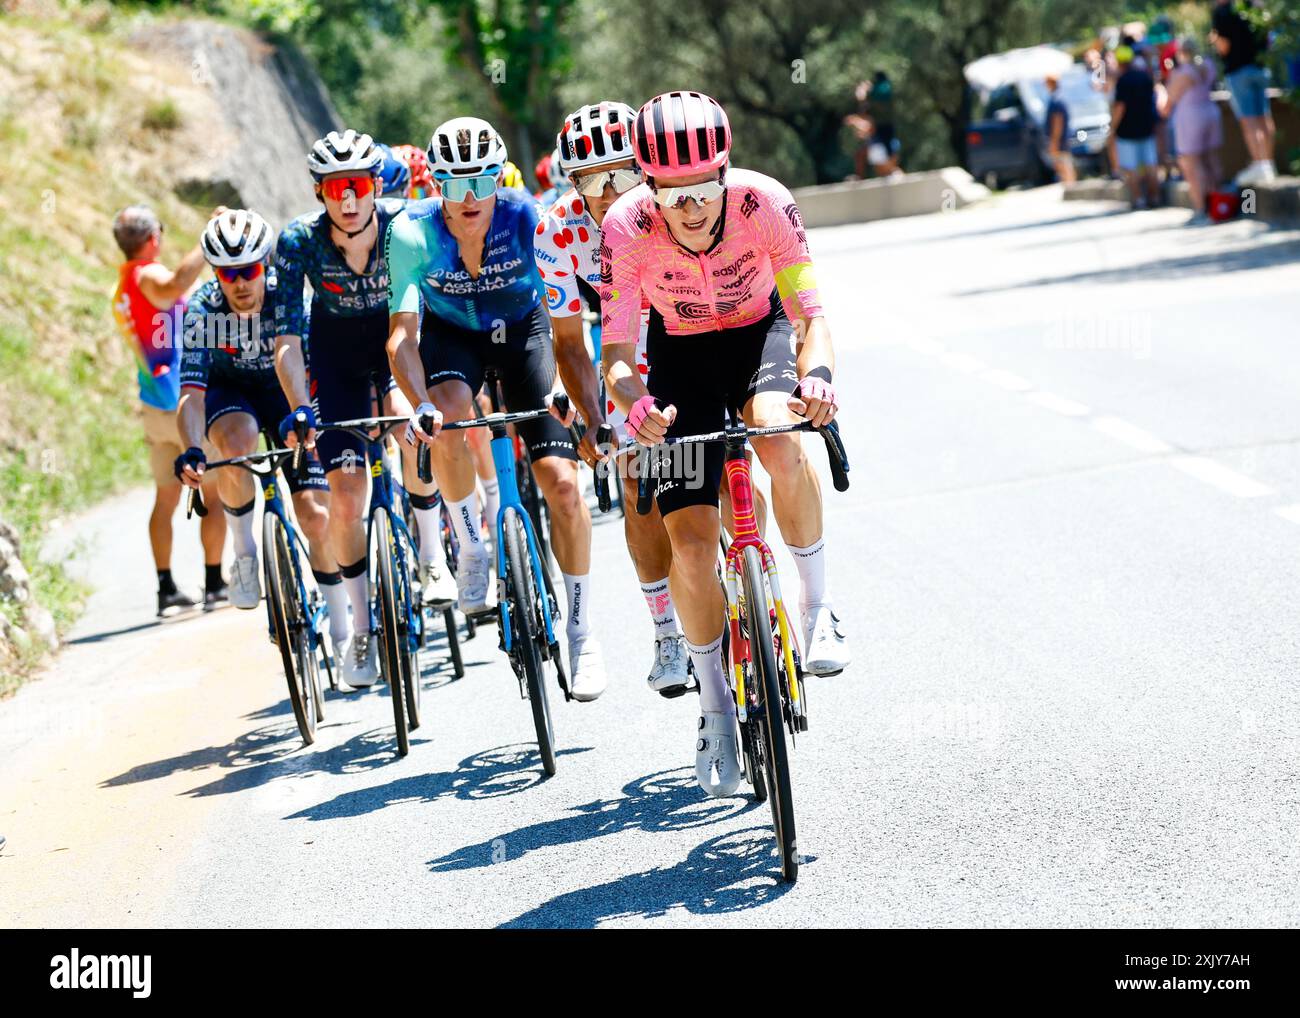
825,650
436,585
472,583
360,663
671,663
717,762
1267,172
586,669
245,589
1252,174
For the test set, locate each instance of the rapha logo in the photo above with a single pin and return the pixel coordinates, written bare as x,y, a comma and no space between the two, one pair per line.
102,972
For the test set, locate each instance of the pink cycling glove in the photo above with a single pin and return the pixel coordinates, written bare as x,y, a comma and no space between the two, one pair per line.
812,387
640,410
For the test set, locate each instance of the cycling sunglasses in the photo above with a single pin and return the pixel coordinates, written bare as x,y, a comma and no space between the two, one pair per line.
336,187
235,273
593,184
457,189
701,194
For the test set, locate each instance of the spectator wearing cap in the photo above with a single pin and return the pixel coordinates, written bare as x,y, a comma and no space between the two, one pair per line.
149,308
1197,123
1133,119
1240,46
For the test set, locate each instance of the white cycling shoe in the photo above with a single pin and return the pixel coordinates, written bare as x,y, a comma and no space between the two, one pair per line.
827,652
586,669
717,760
436,585
245,588
670,674
473,584
360,661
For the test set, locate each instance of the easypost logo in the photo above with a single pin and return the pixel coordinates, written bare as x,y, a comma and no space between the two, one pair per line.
73,971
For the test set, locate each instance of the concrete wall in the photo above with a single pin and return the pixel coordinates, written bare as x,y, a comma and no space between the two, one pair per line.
911,194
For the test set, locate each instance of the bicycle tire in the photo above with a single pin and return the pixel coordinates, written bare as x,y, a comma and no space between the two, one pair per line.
453,642
281,595
525,619
771,717
408,616
389,634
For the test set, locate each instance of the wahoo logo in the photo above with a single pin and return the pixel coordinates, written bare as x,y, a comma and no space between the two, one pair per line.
102,972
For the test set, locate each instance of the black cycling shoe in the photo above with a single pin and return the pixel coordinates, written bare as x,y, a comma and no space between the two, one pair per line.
217,597
173,603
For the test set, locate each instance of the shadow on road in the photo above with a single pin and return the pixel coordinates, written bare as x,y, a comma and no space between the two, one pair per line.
732,872
506,770
667,801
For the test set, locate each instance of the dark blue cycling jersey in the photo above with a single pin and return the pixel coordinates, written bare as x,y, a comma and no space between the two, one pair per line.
221,347
306,252
425,267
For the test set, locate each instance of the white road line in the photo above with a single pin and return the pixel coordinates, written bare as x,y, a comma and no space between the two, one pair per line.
1059,404
1007,380
963,362
1224,478
1131,435
1289,512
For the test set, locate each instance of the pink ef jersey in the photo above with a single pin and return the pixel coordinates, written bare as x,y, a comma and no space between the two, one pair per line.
762,245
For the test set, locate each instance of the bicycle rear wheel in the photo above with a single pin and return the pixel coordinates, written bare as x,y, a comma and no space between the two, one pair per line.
296,653
525,619
392,648
770,716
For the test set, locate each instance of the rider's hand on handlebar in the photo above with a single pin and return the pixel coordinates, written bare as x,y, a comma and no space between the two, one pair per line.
649,425
189,466
588,451
568,416
415,431
814,400
288,432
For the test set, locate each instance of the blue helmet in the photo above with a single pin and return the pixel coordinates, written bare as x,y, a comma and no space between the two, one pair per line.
394,177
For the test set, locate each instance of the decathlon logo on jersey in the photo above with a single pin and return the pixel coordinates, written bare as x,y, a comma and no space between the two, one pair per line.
74,971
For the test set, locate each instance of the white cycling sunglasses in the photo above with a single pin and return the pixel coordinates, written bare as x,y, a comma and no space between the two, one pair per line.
593,184
701,194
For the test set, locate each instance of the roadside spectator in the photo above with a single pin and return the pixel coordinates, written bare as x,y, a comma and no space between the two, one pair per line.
1197,123
884,142
1058,133
149,307
1133,118
863,127
1240,47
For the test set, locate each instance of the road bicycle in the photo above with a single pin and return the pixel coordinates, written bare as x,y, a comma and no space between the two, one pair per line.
527,608
765,670
296,611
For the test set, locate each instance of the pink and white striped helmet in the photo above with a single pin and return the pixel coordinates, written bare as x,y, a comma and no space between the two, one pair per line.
679,134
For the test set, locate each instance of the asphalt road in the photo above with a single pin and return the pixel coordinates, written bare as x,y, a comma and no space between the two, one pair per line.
1069,565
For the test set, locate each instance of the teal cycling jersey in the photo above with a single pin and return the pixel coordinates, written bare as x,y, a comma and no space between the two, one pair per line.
425,268
305,252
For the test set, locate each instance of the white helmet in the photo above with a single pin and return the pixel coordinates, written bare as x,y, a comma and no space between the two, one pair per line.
594,136
340,153
466,147
559,176
237,237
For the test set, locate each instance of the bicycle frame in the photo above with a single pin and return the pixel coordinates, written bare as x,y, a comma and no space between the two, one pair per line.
383,499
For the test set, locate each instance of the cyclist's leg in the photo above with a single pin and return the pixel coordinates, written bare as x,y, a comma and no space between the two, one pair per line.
480,448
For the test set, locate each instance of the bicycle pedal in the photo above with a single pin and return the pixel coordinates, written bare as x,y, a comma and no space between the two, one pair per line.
673,692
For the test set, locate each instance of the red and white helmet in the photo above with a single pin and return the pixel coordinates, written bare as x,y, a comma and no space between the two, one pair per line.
679,134
595,136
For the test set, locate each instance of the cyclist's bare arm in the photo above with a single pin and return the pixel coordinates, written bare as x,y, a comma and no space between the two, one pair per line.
191,412
404,359
622,380
291,370
815,349
578,376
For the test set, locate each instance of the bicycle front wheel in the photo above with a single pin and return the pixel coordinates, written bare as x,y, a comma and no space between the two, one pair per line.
770,717
525,616
287,616
392,647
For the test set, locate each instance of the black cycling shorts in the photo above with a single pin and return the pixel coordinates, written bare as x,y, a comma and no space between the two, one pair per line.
268,407
704,375
347,363
525,362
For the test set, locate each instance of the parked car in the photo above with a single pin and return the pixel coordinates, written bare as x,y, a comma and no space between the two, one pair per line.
1006,136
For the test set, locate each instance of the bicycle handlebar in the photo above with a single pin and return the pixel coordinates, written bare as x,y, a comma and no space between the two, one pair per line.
251,462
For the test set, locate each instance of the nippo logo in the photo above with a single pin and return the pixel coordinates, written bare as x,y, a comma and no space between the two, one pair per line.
73,971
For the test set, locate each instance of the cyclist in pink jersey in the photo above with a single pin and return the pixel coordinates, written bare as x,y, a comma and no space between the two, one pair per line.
735,322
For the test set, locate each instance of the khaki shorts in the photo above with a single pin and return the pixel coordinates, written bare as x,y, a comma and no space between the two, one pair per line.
164,441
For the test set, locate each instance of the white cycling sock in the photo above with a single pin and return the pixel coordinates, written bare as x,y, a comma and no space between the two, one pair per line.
336,601
429,523
492,500
660,602
577,604
811,563
358,588
240,523
714,694
465,518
